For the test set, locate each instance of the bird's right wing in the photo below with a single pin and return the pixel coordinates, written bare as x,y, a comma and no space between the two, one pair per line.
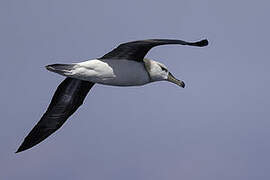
136,50
69,95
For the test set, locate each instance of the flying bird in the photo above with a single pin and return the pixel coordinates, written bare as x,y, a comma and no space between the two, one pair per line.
125,65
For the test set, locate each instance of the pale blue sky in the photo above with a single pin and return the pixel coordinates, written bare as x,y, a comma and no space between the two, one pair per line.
216,128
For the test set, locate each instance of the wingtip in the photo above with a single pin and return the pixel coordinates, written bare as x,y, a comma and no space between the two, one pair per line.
202,43
19,150
24,146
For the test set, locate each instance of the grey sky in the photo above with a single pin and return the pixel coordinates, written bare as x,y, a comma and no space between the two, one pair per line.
216,128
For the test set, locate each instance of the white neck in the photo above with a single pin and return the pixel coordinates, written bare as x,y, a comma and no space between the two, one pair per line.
154,70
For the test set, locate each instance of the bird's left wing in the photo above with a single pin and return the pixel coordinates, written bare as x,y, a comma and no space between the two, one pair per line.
136,50
69,95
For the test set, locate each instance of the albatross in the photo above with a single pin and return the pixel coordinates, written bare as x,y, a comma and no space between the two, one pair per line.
125,65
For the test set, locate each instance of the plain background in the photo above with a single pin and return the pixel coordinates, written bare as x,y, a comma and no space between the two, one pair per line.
215,128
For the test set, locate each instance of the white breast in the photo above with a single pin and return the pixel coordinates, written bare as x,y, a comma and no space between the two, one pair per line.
117,72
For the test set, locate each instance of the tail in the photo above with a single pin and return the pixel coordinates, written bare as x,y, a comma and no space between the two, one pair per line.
63,69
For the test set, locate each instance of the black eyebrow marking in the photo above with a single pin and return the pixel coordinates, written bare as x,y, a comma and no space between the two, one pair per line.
163,69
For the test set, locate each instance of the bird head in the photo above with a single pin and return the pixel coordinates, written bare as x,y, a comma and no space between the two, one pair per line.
159,72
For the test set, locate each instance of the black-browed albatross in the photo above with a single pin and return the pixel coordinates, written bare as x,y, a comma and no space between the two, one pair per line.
123,66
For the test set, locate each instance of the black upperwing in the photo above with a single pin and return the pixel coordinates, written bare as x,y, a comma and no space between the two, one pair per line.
136,50
69,95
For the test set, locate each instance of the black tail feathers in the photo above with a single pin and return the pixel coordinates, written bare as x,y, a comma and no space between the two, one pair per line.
63,69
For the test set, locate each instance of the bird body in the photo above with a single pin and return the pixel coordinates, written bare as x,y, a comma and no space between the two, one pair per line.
123,66
105,71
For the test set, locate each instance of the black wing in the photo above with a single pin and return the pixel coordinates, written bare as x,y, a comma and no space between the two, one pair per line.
66,100
136,50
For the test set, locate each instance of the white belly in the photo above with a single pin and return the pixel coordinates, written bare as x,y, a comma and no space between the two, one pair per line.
112,72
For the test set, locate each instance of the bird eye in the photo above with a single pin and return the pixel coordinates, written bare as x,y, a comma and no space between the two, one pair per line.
163,69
